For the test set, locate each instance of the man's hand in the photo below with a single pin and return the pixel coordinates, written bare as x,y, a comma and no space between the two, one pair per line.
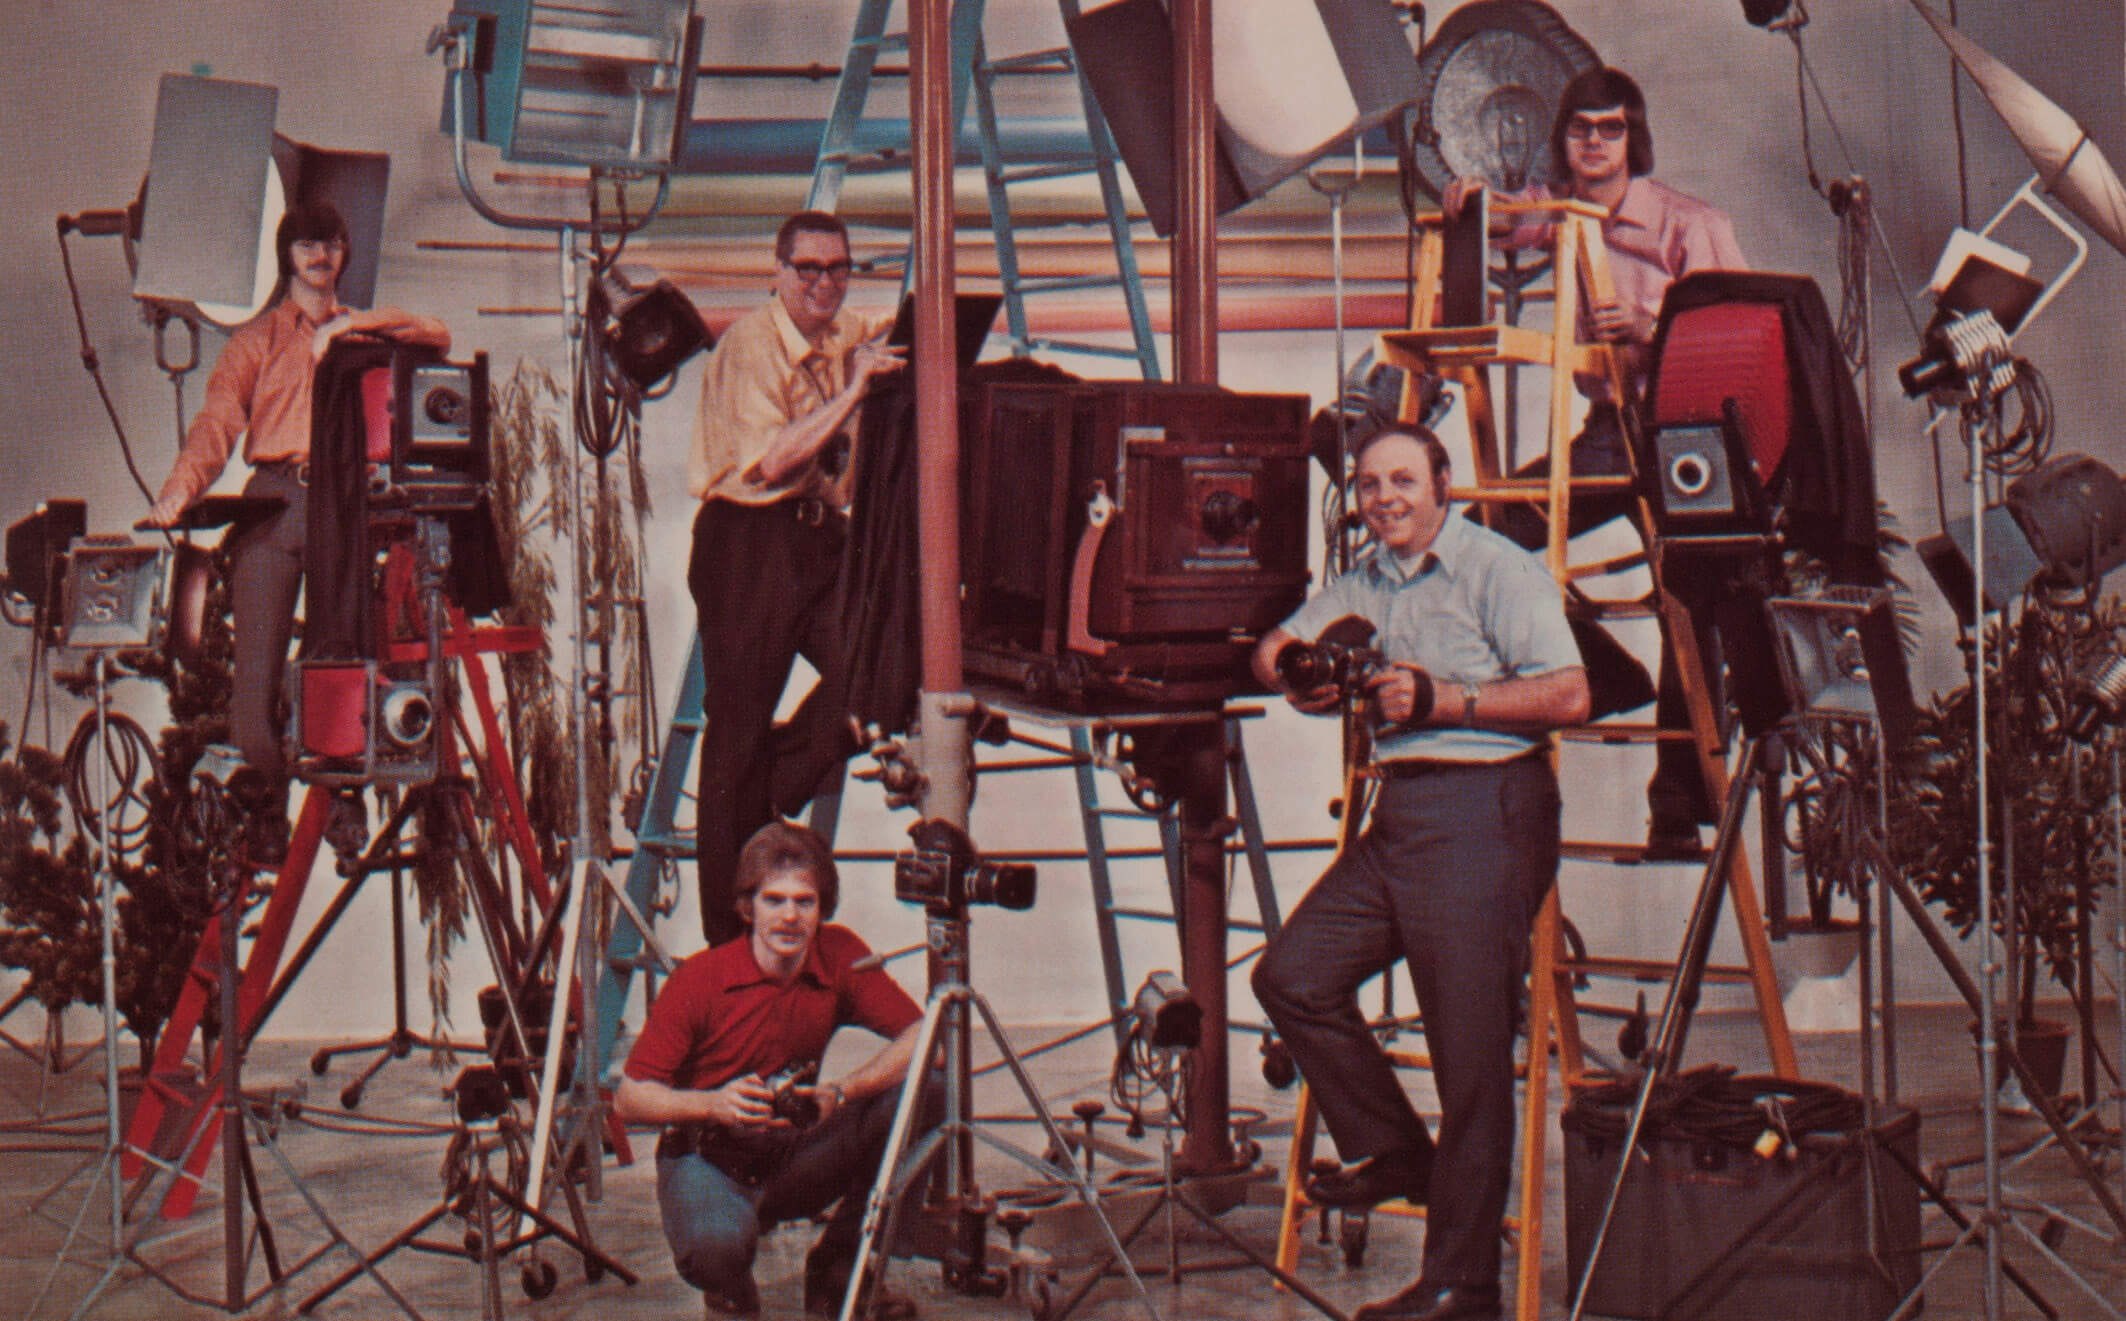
1402,693
1458,193
331,330
1613,324
743,1102
827,1096
167,511
875,356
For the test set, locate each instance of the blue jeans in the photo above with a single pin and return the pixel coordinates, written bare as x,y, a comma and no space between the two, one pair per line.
713,1221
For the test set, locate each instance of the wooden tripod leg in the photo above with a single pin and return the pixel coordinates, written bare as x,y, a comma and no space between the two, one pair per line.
1297,1161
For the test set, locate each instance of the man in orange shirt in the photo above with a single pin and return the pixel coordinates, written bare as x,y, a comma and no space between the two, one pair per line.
260,390
778,407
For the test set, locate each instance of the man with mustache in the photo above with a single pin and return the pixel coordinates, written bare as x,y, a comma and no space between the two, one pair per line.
260,390
736,1015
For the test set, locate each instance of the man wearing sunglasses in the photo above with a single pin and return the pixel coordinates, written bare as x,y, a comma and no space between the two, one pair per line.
779,403
1603,152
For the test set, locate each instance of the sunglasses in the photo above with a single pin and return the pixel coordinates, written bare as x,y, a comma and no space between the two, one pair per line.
811,271
1610,128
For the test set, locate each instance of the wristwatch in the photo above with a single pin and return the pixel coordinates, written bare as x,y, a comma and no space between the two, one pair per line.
1469,704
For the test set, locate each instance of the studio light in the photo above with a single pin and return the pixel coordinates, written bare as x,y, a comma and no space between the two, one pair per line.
219,180
2099,697
654,328
605,83
2010,562
1294,79
1166,1015
1839,656
2073,510
1488,86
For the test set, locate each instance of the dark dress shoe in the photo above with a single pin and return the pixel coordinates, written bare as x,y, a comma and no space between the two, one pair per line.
1427,1302
1376,1179
1666,842
824,1291
739,1298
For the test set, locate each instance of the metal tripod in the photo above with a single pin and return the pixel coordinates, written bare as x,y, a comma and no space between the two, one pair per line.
908,1156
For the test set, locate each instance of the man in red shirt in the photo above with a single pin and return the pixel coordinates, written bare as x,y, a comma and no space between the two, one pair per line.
729,1019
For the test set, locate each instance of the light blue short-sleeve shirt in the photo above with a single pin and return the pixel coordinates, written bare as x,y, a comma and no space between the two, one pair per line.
1476,608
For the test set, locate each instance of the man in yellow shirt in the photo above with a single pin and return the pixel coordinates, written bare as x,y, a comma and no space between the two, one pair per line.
770,465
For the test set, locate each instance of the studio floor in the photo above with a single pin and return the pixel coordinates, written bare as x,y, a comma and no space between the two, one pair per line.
371,1185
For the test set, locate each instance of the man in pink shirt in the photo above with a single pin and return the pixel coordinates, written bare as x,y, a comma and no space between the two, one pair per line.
1603,151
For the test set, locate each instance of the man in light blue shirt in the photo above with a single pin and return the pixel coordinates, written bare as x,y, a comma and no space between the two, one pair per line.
1462,848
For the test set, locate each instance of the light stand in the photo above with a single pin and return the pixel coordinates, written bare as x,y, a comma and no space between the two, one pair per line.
909,1156
239,1177
586,904
114,1129
1160,1059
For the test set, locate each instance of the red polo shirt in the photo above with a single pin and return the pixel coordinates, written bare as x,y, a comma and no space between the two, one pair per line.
719,1015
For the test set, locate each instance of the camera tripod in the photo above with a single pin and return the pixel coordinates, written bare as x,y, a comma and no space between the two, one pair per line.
946,1026
226,1106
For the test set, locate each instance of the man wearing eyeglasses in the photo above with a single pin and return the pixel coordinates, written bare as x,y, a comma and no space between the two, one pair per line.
1603,153
779,402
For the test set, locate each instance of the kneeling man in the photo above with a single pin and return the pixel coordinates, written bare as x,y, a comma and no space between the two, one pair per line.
733,1017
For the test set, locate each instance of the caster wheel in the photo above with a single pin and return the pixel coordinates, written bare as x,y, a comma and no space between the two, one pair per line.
593,1271
1352,1238
538,1278
474,1244
351,1096
321,1062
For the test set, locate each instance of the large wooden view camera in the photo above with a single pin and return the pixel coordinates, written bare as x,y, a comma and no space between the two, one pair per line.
1127,538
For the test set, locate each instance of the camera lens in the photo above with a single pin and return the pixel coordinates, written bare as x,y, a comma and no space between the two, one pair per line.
1304,667
1002,884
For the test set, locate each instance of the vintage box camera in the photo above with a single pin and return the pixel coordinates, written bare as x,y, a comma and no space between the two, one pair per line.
1129,538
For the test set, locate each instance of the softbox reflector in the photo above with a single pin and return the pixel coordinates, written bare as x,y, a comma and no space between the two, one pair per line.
206,196
1293,79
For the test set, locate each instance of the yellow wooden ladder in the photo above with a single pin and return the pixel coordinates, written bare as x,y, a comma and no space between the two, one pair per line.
1465,355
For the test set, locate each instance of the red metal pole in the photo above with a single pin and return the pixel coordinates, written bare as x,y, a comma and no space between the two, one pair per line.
1208,1144
936,389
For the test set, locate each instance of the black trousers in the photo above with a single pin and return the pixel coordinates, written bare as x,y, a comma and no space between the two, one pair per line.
1449,875
1675,797
762,577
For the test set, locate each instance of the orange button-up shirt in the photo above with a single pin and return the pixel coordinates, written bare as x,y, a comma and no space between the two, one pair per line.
260,390
763,376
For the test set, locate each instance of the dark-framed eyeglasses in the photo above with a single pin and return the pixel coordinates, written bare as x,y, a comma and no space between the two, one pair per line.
811,271
1610,128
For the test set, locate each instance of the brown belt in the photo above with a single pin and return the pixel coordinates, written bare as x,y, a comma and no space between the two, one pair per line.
296,469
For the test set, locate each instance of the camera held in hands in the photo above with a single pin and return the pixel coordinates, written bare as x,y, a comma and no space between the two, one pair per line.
945,871
1343,657
800,1108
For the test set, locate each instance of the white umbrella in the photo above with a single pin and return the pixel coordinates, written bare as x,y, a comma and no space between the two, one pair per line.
2069,164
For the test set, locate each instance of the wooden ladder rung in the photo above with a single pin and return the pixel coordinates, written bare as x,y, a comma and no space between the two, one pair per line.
1647,970
1625,732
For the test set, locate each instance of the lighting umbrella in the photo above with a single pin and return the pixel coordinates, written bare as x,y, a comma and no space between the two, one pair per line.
2070,166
